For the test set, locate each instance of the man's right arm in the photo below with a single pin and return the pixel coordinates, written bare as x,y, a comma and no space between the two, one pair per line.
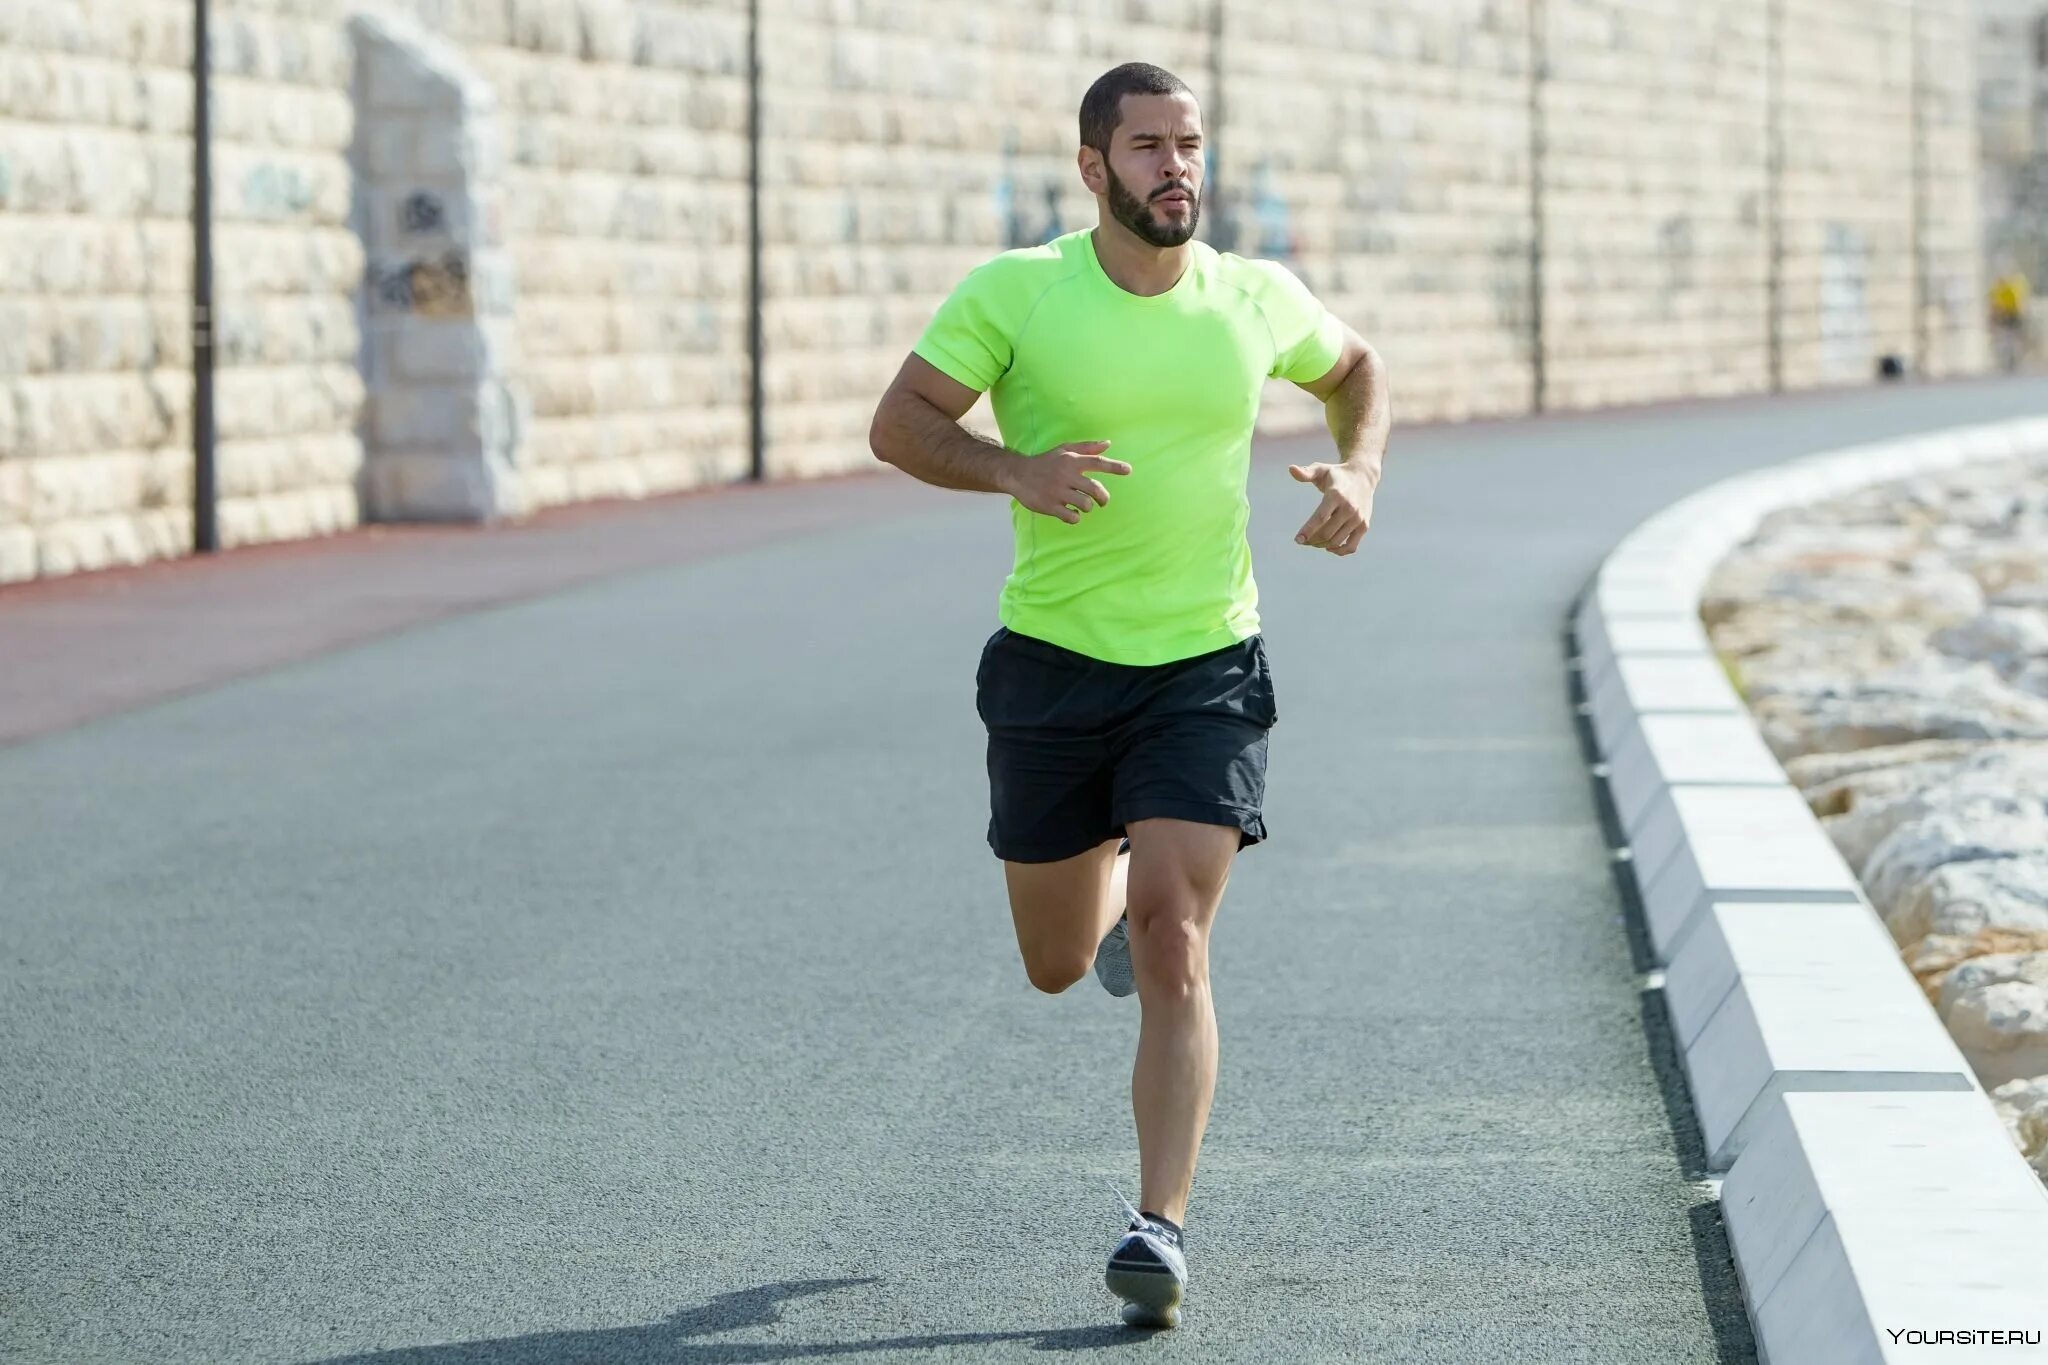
917,429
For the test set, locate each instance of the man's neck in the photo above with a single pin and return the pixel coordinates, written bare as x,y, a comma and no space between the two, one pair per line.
1136,266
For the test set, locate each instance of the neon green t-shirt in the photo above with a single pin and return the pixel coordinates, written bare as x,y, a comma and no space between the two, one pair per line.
1172,381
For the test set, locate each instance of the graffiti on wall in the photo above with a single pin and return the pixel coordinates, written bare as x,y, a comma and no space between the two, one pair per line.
273,191
421,212
1013,189
1511,289
1006,195
1028,223
1845,331
434,284
1272,228
1052,227
1675,254
436,288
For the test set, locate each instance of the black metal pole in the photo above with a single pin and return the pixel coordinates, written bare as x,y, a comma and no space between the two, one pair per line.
1539,72
757,393
1222,235
205,528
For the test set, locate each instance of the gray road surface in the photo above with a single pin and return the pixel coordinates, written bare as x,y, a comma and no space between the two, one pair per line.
622,976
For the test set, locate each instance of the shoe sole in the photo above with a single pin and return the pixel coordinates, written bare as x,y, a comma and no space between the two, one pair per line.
1151,1297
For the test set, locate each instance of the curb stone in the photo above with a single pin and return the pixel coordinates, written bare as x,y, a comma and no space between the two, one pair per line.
1876,1208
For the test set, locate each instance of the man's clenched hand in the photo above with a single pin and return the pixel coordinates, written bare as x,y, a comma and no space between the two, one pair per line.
1345,514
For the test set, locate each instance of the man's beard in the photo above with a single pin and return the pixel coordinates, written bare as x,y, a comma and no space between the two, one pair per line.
1136,214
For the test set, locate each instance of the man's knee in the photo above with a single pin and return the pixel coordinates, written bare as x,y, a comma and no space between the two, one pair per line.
1053,971
1169,950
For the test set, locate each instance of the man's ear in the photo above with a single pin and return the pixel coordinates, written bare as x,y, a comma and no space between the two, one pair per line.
1090,162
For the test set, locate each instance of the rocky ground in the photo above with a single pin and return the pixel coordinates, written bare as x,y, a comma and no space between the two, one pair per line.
1893,647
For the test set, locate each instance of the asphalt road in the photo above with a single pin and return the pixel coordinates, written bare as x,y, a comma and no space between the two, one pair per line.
621,976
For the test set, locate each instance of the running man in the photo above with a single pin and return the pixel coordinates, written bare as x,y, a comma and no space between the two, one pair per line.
1126,693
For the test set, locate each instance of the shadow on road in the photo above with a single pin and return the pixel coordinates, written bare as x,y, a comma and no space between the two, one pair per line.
670,1342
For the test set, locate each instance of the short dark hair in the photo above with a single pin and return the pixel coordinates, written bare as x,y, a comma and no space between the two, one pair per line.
1102,106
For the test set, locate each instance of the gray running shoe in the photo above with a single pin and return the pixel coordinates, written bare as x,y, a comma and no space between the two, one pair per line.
1148,1271
1113,960
1113,954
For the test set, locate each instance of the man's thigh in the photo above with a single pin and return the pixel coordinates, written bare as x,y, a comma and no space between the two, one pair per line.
1063,907
1179,869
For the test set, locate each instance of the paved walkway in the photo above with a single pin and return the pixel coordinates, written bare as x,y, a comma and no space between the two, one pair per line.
620,975
98,643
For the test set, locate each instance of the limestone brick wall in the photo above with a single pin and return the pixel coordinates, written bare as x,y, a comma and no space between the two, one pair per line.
1420,163
1848,187
1383,153
95,343
624,210
1655,256
1386,156
2012,85
1951,232
446,414
904,144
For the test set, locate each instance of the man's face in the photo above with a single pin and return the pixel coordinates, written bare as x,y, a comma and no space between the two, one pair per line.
1154,168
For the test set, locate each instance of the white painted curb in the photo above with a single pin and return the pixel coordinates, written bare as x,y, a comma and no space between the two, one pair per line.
1802,1012
1638,685
1653,637
1858,1220
1661,752
1703,845
1871,1191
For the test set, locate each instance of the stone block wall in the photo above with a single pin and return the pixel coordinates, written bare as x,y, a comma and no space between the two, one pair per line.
95,340
902,145
1383,153
1847,196
1420,163
1950,231
624,211
446,409
2012,113
1655,256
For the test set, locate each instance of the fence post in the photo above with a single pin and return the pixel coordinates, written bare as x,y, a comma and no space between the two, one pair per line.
205,526
1539,71
756,390
1222,235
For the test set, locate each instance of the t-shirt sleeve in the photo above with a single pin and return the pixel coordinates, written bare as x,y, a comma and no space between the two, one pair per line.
971,336
1307,337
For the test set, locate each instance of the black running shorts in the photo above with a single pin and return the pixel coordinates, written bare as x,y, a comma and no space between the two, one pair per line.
1077,747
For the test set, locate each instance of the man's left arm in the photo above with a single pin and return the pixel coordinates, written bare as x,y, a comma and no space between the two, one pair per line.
1354,398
